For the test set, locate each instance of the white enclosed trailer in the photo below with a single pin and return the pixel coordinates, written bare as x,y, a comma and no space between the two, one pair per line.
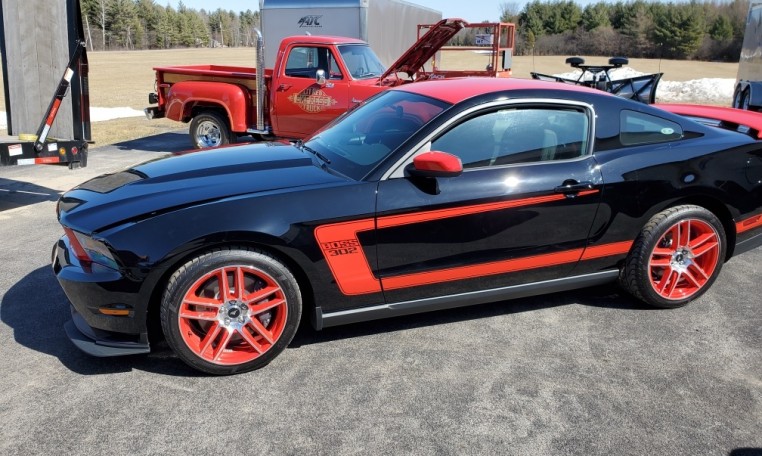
748,91
389,26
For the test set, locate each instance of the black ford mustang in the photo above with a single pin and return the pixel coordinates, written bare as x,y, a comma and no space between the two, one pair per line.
435,195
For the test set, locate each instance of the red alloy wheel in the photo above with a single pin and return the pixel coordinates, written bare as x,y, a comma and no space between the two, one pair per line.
232,315
684,259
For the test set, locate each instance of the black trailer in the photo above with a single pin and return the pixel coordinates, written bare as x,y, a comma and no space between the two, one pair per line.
28,75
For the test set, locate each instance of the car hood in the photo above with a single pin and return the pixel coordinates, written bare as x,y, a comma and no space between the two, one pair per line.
185,180
422,50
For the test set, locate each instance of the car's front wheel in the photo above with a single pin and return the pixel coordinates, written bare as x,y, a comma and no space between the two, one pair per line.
231,310
676,257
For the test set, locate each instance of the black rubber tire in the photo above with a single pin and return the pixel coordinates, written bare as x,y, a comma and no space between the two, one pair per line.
187,275
737,98
210,129
635,275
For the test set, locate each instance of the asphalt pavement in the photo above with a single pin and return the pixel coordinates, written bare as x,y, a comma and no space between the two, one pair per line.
584,372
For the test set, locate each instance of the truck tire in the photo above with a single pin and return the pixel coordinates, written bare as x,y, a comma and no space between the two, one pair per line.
209,129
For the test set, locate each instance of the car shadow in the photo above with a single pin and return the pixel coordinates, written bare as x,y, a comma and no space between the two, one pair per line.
36,308
163,142
15,193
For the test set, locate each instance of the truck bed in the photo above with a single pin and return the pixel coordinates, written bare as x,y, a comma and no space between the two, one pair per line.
239,75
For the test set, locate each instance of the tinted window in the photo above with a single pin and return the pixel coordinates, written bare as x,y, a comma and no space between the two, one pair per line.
517,135
639,128
362,138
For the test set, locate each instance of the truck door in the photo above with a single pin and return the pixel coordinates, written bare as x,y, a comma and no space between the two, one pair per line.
301,104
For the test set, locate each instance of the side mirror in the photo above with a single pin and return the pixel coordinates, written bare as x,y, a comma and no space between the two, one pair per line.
320,77
435,164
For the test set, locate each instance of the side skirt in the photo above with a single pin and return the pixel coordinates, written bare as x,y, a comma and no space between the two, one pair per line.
461,300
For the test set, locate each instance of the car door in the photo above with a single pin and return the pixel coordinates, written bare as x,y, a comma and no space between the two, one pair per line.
302,106
519,213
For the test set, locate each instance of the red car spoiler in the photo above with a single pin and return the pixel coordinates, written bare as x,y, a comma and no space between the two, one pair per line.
750,119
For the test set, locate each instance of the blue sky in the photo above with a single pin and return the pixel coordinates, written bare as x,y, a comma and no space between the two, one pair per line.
474,11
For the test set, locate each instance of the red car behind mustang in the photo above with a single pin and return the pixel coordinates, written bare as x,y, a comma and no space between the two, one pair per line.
433,195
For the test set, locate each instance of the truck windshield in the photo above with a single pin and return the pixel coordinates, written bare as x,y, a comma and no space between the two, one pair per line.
358,141
361,61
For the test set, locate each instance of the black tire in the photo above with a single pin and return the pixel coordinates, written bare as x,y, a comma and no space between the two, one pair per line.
742,100
669,273
240,331
209,129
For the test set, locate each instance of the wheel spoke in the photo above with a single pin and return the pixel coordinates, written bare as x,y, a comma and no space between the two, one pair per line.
666,280
259,295
660,263
697,268
706,247
265,306
207,341
204,315
684,233
250,340
662,252
222,345
698,284
192,300
222,280
704,238
672,284
239,284
261,330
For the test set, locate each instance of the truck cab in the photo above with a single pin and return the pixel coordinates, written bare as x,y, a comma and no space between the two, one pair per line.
313,81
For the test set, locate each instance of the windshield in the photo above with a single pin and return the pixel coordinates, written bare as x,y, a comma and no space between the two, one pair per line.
361,139
361,61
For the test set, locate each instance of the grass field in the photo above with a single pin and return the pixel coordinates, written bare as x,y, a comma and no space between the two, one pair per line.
124,79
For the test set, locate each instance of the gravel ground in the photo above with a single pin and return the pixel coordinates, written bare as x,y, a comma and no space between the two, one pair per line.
584,372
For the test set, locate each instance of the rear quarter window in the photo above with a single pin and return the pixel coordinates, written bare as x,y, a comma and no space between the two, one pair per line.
639,128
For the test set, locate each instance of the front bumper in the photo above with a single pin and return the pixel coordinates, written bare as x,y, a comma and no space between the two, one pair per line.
90,291
101,343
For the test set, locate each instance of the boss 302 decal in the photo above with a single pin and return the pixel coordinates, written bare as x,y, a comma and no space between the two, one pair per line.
341,248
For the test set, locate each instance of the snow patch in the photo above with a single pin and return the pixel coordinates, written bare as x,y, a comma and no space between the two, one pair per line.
717,91
96,115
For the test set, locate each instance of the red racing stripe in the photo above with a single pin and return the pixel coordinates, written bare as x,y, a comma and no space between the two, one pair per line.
749,224
341,248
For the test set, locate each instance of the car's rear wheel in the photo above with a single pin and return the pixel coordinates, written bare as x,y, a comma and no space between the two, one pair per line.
209,129
676,257
230,310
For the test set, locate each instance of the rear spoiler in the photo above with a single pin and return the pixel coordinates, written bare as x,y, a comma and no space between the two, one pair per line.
726,116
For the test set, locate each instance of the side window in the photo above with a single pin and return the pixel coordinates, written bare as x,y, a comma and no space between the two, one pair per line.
639,128
303,62
517,135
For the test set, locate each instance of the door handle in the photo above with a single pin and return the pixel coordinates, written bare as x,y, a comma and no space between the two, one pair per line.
571,186
284,87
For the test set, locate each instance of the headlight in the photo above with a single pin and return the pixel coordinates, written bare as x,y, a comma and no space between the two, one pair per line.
89,250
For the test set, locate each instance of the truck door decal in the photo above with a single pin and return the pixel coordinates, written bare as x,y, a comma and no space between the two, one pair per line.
312,99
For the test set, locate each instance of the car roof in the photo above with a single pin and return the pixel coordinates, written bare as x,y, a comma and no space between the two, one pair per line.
458,89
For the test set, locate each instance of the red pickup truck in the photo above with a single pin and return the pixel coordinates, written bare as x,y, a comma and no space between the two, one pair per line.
315,79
